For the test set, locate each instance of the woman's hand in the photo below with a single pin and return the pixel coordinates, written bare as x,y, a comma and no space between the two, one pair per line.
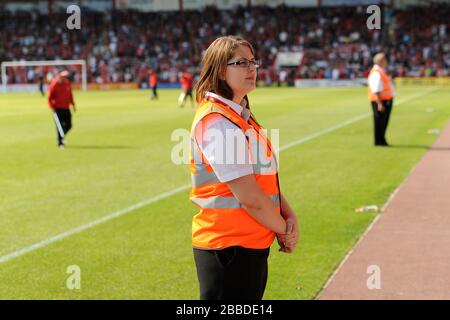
288,241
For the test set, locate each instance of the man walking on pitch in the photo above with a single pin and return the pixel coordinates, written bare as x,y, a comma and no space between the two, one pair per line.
59,99
153,82
41,84
381,94
187,82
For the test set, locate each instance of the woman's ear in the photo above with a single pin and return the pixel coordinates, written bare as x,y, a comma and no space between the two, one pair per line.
222,75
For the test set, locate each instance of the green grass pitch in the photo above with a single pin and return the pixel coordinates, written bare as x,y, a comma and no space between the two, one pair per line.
118,154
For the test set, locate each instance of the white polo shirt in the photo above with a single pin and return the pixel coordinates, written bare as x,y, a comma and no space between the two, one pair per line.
216,137
375,83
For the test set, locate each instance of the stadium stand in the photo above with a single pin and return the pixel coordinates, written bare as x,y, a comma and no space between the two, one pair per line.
336,43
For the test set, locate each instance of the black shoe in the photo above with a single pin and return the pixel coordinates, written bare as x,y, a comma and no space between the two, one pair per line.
383,144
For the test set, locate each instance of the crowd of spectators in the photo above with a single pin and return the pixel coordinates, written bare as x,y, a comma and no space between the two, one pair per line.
123,46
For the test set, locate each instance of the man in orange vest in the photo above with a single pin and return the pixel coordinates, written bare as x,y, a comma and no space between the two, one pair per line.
381,94
153,82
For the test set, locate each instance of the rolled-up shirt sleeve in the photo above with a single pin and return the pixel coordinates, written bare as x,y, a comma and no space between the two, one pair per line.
225,147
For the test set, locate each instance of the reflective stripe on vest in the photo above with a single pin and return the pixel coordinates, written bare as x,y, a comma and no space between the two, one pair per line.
228,202
222,221
386,92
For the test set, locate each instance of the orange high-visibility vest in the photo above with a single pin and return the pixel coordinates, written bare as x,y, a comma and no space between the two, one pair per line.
222,222
386,92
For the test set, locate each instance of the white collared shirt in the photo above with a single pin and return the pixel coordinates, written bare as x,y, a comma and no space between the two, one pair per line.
240,109
375,83
215,137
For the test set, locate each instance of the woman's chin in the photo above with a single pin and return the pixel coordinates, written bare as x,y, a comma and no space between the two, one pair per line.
250,86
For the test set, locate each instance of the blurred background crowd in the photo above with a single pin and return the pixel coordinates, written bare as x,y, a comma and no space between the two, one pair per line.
124,46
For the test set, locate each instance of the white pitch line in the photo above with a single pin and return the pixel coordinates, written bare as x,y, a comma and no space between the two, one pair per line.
91,224
323,132
348,122
144,203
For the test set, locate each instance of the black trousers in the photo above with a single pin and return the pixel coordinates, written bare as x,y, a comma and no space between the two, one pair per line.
186,95
154,93
381,121
233,273
41,89
63,122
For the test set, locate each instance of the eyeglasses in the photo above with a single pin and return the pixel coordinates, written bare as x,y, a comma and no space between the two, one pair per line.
245,64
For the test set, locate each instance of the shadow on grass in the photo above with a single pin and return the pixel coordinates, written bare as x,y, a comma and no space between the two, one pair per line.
98,147
411,146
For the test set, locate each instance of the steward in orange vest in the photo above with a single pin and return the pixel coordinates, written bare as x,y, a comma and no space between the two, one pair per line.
222,222
380,94
241,209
